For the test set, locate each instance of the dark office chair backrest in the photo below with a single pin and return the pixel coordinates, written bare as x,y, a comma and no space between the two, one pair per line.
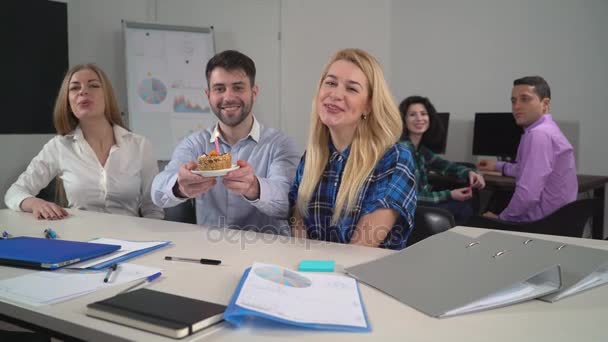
184,212
54,192
429,221
568,220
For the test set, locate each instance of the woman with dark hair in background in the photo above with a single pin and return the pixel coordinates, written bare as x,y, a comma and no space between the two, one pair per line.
422,130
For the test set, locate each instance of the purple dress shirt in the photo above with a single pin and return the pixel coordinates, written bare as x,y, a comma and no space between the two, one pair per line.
544,171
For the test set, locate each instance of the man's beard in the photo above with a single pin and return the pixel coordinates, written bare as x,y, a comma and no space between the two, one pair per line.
236,120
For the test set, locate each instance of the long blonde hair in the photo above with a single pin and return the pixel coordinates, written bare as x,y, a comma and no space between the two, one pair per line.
373,136
64,119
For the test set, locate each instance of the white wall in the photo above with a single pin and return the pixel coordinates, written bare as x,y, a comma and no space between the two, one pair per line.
462,54
95,35
465,55
312,31
16,151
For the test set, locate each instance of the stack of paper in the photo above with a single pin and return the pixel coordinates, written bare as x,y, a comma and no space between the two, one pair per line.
48,287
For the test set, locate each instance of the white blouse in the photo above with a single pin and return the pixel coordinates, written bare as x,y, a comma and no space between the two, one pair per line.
121,186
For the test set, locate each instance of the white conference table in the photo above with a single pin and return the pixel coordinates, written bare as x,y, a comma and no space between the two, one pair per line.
581,317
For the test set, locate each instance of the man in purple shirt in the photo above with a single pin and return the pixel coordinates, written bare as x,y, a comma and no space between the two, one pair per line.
544,171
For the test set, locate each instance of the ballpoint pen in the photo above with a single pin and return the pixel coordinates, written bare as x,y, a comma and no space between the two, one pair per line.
147,280
202,261
111,269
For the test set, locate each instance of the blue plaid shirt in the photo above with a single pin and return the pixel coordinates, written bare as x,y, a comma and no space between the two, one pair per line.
391,185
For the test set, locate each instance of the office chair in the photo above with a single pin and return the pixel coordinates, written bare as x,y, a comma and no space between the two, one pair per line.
184,212
48,193
429,221
568,220
54,192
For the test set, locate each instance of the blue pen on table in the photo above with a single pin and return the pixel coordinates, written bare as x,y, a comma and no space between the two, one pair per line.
147,280
50,233
111,269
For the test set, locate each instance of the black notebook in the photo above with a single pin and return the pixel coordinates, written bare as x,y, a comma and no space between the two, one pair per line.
162,313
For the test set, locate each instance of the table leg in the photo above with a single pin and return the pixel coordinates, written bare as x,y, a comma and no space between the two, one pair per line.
597,222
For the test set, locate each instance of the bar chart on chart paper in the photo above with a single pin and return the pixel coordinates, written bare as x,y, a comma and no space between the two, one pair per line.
183,104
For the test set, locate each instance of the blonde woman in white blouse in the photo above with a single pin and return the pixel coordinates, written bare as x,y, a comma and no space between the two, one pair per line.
103,166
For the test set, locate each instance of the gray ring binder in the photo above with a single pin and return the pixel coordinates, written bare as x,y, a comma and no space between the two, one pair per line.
504,251
467,275
473,244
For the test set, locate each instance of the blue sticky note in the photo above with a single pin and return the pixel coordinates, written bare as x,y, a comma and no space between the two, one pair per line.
317,266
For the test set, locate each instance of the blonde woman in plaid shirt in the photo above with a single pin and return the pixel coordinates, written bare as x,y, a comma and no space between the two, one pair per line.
355,183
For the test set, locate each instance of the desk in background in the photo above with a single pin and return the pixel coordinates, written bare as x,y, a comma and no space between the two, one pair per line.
586,183
390,320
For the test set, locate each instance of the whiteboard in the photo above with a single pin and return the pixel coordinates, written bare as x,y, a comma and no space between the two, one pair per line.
165,68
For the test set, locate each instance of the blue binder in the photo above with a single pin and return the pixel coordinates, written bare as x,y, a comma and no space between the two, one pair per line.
128,256
236,315
51,254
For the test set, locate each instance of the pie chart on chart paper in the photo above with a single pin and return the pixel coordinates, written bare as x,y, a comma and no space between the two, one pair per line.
152,91
282,276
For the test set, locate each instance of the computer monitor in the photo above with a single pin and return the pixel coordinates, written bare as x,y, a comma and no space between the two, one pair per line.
496,134
439,148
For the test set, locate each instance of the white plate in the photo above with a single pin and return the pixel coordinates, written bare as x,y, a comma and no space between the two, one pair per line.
215,173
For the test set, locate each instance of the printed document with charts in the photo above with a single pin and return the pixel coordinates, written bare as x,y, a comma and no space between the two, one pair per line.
311,300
